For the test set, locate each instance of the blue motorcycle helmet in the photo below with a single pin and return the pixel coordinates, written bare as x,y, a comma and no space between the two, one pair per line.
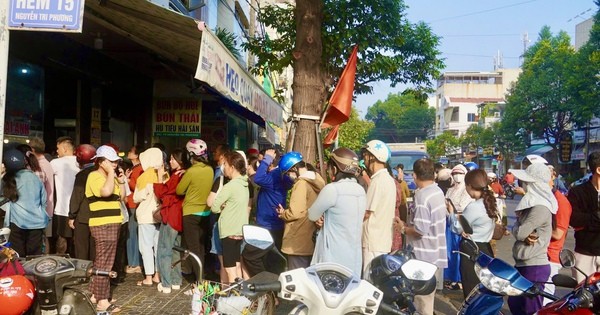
471,166
288,161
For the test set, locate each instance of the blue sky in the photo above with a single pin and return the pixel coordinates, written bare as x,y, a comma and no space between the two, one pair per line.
473,31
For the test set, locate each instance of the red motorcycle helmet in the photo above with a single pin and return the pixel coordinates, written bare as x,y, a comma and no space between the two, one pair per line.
85,153
18,292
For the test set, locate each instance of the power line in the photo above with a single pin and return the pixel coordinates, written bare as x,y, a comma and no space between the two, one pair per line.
478,56
483,11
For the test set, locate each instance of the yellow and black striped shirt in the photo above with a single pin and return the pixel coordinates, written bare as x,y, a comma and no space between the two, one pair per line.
103,210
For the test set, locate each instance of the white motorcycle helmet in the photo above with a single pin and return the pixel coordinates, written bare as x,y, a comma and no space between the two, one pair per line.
379,150
4,235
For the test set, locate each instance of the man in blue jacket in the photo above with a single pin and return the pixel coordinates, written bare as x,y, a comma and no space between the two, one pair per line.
272,193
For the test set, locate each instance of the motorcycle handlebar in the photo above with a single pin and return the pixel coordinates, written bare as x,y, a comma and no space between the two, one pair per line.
265,287
389,309
103,273
583,299
179,249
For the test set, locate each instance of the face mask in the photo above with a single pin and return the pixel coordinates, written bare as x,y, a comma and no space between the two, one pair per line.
459,178
222,166
292,175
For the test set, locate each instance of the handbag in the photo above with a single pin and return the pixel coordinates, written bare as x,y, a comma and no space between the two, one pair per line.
499,229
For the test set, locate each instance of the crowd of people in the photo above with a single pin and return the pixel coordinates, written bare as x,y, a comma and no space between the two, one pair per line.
127,217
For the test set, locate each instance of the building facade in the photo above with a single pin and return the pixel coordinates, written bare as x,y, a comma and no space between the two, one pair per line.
460,95
129,78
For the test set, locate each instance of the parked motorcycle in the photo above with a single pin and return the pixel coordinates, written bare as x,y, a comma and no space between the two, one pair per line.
498,279
325,288
584,299
48,286
400,276
55,278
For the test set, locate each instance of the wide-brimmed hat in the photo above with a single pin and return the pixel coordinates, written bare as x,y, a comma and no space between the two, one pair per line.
535,173
534,158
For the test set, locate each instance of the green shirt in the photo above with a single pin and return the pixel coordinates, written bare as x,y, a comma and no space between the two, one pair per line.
195,185
232,203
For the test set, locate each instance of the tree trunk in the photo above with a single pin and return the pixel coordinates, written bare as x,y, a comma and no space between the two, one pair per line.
308,86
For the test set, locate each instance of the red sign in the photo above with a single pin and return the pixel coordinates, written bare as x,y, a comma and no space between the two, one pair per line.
16,128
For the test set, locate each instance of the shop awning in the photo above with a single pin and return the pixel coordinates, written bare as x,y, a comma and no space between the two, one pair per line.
178,38
538,149
171,35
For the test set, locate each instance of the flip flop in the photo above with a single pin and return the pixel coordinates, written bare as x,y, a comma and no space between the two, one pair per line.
111,309
141,283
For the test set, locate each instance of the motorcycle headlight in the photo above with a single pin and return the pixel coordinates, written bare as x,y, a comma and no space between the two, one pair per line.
495,283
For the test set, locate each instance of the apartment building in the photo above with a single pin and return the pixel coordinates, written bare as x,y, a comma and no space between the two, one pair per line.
460,96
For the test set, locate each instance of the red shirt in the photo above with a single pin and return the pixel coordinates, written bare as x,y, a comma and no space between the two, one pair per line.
509,178
136,171
497,188
171,204
562,222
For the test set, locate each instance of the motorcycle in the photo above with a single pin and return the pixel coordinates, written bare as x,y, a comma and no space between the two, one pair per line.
324,288
55,278
400,276
498,279
49,283
584,297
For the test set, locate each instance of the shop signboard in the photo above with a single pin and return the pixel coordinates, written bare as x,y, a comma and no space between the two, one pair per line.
176,117
218,68
46,15
566,147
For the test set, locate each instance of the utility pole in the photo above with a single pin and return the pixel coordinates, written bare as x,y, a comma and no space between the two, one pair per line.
4,37
526,41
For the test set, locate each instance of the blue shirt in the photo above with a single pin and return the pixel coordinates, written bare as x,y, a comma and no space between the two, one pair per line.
343,205
273,192
29,211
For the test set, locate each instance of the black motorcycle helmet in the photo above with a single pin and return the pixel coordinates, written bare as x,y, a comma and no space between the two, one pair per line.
386,274
13,160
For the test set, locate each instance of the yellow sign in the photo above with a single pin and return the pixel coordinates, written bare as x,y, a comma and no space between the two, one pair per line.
176,117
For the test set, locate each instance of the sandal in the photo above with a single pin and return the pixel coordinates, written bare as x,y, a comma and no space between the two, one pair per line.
111,309
141,283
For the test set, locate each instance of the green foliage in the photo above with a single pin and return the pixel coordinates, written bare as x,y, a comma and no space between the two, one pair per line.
542,99
354,132
390,47
443,145
477,136
402,117
585,80
228,39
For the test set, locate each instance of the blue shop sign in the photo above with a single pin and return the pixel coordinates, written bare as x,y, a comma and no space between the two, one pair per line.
51,15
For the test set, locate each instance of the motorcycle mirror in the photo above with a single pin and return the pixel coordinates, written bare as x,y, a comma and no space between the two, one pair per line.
564,281
257,236
465,225
567,258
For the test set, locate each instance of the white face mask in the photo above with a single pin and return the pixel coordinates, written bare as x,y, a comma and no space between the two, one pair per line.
459,178
292,175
